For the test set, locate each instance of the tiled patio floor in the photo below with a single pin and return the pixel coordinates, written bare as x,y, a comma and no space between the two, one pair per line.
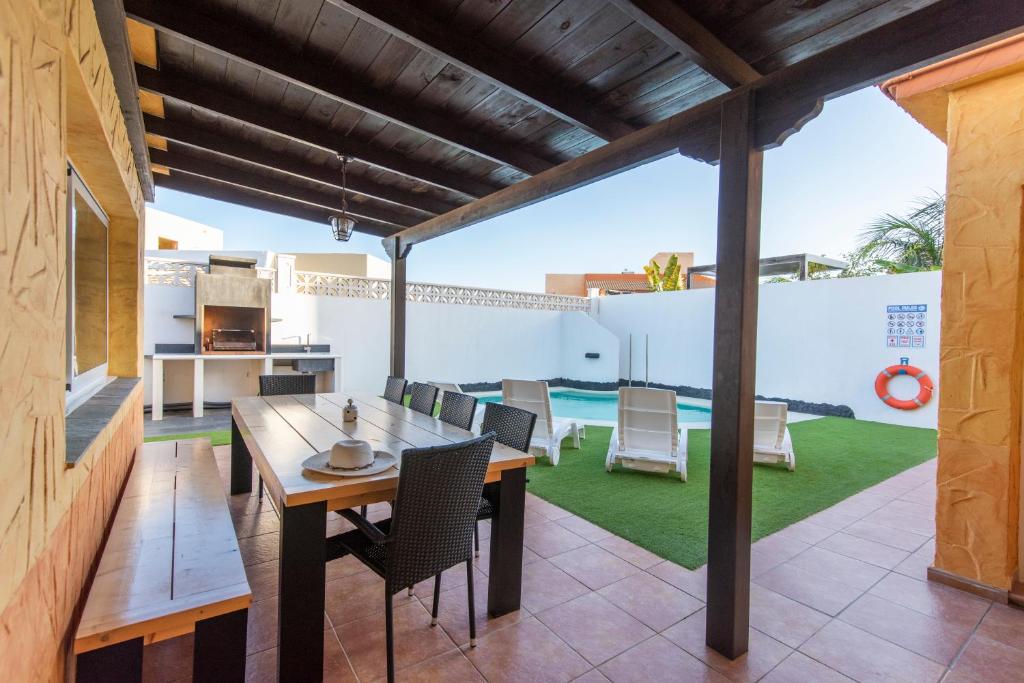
841,595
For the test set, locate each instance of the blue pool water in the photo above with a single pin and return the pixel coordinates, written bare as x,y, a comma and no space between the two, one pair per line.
602,406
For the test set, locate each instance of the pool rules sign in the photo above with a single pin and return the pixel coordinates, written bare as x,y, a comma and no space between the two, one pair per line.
905,326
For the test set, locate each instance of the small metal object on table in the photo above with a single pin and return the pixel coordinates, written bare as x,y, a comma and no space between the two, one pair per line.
276,433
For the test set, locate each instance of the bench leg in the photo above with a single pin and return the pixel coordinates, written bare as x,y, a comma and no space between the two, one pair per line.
220,648
120,663
241,462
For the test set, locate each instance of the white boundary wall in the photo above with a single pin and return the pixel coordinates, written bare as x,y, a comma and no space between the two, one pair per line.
820,340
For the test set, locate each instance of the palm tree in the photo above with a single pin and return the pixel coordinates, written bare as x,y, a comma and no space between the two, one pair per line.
668,280
904,244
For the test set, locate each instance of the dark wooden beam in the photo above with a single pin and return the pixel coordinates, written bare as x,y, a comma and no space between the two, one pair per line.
330,201
273,57
399,252
687,36
189,93
405,20
182,182
240,150
786,99
732,402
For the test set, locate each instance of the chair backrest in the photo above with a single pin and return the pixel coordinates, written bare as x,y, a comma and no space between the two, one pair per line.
277,385
435,509
770,423
531,395
394,390
446,387
423,398
512,426
458,409
648,420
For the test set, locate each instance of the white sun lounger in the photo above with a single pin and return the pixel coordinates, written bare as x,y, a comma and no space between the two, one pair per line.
647,436
548,432
772,442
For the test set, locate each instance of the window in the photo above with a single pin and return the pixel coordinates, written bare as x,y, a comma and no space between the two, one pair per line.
87,293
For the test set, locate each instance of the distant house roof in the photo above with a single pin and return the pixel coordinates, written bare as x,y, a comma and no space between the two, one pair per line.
793,264
619,282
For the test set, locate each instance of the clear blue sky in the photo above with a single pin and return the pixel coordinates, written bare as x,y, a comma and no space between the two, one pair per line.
863,156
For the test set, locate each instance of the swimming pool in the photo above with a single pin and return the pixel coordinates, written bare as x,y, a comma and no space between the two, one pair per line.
603,406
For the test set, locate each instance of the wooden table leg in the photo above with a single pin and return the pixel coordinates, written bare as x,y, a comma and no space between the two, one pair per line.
119,663
505,576
300,611
241,462
219,652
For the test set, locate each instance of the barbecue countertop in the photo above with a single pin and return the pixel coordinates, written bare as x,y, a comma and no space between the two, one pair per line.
240,356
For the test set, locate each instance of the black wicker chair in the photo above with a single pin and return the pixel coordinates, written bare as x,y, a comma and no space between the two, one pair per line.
513,427
458,410
431,528
280,385
423,398
394,390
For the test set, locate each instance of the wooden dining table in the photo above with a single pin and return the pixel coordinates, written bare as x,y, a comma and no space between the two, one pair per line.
276,433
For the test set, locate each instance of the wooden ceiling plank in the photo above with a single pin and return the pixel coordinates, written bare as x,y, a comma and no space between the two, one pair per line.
786,100
182,182
230,148
210,35
690,38
176,161
213,101
411,24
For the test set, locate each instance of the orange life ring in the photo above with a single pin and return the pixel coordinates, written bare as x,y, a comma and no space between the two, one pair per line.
923,381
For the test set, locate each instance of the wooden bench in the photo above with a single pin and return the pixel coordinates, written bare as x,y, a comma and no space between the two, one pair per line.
170,566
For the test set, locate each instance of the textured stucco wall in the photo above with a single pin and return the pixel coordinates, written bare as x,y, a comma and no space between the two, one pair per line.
980,396
57,102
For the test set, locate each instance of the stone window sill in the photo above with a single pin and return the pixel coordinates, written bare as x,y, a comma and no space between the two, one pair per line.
85,422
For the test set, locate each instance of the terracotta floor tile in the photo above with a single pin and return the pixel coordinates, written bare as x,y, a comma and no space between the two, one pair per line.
483,561
835,520
593,566
169,660
764,653
658,659
805,531
450,666
344,566
255,524
938,640
916,566
988,661
592,676
527,651
907,507
763,562
353,597
594,627
454,577
415,641
453,613
533,518
247,504
543,507
262,666
903,521
550,539
693,581
904,540
838,567
811,588
651,600
630,552
933,599
263,579
582,527
258,549
780,546
545,585
261,627
872,552
799,668
1005,624
783,619
868,658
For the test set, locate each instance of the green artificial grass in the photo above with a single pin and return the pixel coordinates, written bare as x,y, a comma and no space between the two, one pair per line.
835,458
221,437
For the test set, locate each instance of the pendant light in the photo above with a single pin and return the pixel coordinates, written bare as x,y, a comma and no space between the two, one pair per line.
342,225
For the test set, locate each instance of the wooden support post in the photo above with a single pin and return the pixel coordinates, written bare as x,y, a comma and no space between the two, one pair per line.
732,407
398,253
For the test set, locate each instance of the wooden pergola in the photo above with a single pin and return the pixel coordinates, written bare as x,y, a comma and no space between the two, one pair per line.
455,112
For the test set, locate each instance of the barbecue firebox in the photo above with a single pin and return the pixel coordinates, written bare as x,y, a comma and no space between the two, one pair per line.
232,308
